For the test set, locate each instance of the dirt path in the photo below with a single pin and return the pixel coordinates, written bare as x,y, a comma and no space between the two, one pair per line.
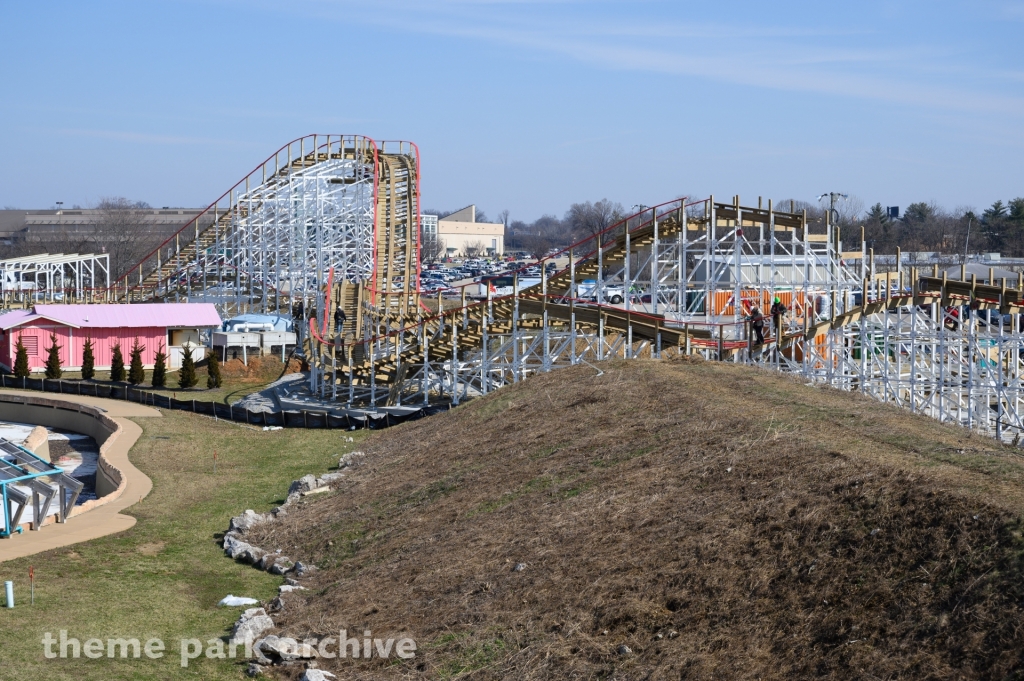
106,519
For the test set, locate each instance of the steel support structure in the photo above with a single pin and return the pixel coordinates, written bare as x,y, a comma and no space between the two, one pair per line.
332,221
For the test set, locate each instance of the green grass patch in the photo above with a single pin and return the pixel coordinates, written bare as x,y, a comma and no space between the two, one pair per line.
609,461
544,452
472,656
538,484
164,577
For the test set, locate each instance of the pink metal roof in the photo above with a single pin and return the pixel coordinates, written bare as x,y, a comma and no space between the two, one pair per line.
136,315
15,317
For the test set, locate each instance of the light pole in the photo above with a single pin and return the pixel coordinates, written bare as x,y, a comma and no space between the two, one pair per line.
833,216
60,228
967,241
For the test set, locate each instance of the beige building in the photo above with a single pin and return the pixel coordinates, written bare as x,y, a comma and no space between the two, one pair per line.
459,234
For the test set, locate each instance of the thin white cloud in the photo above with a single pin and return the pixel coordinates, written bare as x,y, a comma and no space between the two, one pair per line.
147,138
799,59
845,61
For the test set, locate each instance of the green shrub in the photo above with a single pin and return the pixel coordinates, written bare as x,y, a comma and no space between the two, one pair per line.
117,364
88,360
21,360
187,374
213,379
136,372
160,368
53,369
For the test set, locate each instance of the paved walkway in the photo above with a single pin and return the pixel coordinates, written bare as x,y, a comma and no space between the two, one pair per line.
106,519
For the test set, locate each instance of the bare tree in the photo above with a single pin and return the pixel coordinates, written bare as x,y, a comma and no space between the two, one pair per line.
124,232
441,214
588,219
537,245
474,249
432,247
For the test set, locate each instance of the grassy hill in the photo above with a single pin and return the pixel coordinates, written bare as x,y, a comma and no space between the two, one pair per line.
717,521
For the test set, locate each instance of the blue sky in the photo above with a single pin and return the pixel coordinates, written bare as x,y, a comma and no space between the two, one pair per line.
525,105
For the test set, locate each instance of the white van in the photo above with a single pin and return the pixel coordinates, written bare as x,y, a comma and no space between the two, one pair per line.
501,285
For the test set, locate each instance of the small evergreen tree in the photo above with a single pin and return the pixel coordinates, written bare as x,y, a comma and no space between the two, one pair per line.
21,360
88,360
160,369
117,364
53,369
187,374
136,372
213,379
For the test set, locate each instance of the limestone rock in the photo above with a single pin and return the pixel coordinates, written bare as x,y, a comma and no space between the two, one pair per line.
285,649
281,566
236,547
317,675
304,569
303,484
242,523
268,560
253,623
351,460
250,555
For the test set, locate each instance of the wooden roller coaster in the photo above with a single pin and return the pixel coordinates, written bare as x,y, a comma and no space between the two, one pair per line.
331,222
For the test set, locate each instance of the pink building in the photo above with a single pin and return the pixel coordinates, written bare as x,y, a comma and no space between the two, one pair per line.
168,325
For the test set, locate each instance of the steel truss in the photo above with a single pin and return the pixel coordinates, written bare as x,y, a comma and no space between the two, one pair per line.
678,277
693,273
320,204
54,278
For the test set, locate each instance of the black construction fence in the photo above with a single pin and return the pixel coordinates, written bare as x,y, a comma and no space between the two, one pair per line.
340,419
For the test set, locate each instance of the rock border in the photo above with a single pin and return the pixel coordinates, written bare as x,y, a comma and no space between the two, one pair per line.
254,623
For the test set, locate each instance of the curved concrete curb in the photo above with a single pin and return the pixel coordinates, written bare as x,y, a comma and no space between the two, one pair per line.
103,515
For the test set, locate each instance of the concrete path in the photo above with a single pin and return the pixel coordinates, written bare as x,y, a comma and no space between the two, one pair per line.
106,519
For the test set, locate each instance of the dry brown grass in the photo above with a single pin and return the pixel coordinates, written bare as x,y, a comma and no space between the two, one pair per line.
783,531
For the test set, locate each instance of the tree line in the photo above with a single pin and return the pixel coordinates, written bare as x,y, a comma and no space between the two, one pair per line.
929,227
923,226
121,228
135,373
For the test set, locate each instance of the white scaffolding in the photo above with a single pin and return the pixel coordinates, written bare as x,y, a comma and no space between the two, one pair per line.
54,277
329,222
952,350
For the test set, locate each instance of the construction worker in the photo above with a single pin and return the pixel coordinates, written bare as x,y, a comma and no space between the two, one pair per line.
756,320
339,320
777,312
951,319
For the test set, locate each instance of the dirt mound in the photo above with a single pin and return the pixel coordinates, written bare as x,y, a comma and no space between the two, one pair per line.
266,367
665,521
